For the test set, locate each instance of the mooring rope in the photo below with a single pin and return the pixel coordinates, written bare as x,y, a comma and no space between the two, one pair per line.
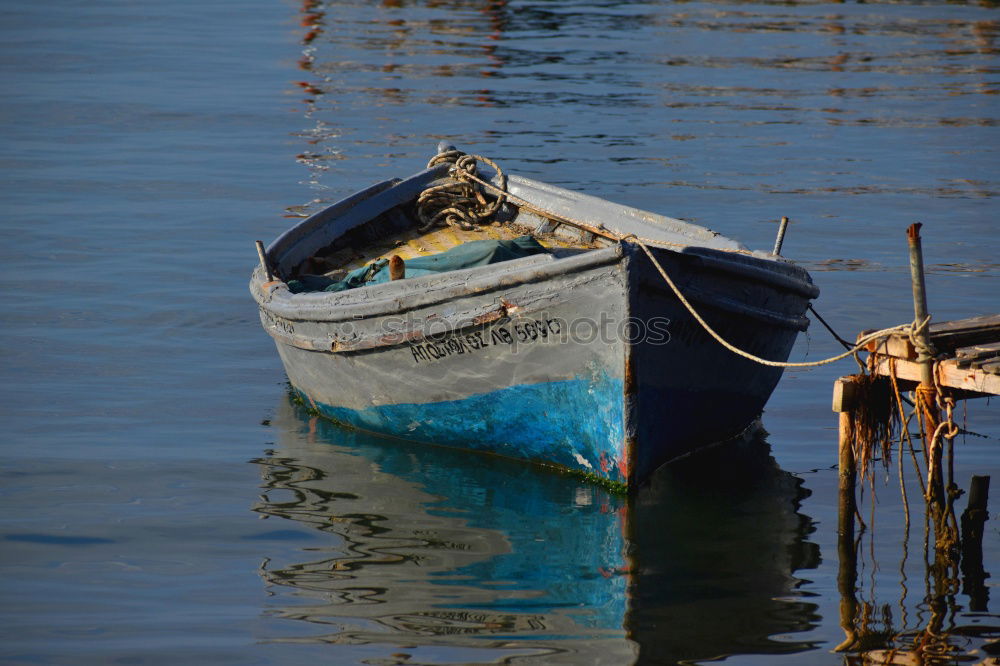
861,343
463,175
843,343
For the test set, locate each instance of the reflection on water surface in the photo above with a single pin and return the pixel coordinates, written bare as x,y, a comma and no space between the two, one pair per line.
434,547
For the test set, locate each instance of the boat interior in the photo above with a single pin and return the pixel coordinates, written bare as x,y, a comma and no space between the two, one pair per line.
413,218
399,232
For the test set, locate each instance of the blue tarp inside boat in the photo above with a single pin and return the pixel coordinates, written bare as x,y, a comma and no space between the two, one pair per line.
467,255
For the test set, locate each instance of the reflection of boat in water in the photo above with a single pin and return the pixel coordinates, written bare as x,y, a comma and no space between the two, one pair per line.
435,548
716,540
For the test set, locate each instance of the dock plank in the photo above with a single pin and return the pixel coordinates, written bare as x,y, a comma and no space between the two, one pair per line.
948,336
975,356
991,368
949,374
945,336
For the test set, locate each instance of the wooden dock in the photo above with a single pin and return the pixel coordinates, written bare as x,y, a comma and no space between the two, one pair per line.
940,363
965,364
968,356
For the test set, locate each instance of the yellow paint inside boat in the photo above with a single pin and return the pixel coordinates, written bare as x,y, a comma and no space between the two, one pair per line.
412,243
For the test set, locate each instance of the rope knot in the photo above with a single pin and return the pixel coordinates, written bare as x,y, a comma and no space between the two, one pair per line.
914,331
457,200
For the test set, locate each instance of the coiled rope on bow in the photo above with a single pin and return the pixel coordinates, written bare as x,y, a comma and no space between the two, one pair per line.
457,201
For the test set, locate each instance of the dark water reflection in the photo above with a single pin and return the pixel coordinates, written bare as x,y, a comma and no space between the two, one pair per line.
442,550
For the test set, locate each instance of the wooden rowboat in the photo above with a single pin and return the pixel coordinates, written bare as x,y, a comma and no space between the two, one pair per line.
577,356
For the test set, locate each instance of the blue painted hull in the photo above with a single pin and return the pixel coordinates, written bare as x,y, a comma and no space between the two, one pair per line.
500,386
615,408
574,424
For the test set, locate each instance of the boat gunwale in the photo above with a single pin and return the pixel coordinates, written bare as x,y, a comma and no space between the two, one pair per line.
754,264
400,296
725,262
397,191
475,315
403,295
385,195
717,251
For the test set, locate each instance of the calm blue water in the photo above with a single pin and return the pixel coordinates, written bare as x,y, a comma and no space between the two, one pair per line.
147,430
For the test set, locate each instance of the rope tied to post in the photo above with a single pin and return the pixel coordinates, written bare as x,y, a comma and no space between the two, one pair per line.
915,334
859,345
458,201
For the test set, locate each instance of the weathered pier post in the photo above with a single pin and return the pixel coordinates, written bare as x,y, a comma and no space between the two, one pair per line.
973,525
920,304
845,393
926,391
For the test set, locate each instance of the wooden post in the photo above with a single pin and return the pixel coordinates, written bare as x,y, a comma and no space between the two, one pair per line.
973,525
926,392
920,303
844,397
845,392
847,476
